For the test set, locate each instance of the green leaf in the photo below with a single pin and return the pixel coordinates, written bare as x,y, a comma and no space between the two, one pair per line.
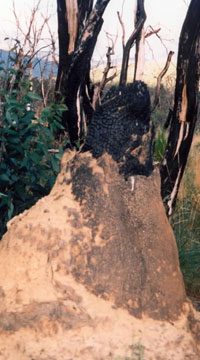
14,178
8,117
11,132
15,117
10,211
25,163
16,148
62,107
8,98
55,165
35,157
30,115
14,161
33,96
20,191
58,125
46,111
14,103
4,177
77,143
13,139
31,127
59,155
12,71
3,195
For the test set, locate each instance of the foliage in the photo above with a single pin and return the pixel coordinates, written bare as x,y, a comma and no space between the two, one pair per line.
186,217
160,145
186,225
159,115
27,169
48,87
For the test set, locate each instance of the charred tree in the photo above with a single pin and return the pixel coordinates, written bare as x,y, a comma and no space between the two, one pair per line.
140,43
136,36
78,27
159,79
184,114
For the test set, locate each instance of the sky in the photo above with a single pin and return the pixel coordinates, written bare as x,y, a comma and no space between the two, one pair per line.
165,14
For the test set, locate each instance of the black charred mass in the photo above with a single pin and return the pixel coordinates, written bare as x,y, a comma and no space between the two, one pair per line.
118,126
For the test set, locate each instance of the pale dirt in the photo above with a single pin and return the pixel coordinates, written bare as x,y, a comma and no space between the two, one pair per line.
45,314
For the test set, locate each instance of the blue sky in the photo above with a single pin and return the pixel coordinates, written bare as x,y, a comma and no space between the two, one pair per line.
167,14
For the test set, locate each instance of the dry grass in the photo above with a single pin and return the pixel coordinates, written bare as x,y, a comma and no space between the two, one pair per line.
196,160
151,72
192,169
186,221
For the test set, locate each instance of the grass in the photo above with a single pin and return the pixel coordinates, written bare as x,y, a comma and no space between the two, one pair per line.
185,222
151,72
185,219
160,145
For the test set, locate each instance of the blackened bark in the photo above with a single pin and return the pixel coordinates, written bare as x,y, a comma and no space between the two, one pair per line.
121,127
78,29
185,107
141,17
160,76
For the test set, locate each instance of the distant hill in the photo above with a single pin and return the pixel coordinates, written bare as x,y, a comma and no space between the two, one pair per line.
49,67
151,69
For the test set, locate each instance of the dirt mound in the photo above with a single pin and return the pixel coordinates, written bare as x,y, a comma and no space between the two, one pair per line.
91,272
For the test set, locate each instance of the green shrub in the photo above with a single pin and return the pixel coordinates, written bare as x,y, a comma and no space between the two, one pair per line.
160,145
159,115
27,169
185,220
186,225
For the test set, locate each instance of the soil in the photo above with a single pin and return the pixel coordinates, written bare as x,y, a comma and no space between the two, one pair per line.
90,273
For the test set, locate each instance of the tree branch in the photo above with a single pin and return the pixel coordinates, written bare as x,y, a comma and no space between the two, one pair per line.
73,81
185,109
160,76
132,38
123,29
152,32
105,79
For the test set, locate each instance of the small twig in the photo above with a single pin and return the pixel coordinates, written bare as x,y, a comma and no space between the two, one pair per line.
152,32
152,52
52,44
123,29
158,36
136,32
168,120
160,76
53,151
105,79
122,9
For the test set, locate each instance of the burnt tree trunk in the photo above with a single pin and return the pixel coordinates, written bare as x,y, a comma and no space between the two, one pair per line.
140,47
135,36
78,27
184,113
